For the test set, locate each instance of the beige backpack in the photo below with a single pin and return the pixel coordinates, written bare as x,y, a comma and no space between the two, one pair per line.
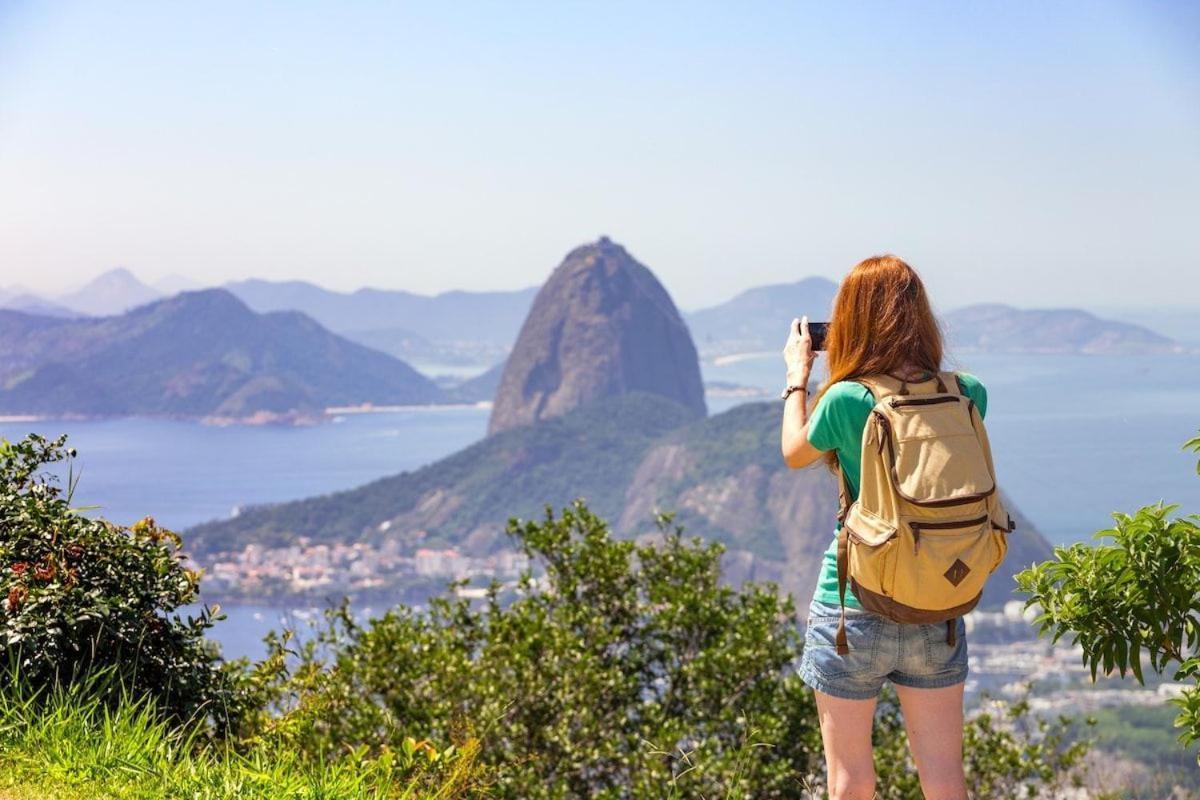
928,527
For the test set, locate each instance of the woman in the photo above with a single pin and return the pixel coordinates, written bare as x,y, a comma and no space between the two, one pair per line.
882,323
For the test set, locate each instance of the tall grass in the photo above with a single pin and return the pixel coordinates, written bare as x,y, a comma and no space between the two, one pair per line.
64,743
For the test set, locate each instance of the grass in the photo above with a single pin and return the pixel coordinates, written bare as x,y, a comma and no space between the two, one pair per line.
67,745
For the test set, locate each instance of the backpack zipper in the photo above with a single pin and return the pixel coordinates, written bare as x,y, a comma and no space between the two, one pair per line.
896,402
917,526
857,537
885,432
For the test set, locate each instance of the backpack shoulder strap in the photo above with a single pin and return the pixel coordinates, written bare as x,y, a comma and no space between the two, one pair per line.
881,386
884,385
953,383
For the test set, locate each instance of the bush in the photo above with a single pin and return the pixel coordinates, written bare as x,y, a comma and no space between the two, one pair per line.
1138,595
625,671
81,595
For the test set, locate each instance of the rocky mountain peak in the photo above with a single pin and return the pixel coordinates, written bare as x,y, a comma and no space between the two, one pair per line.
601,325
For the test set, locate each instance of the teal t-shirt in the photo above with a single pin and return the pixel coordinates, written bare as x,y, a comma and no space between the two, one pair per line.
837,424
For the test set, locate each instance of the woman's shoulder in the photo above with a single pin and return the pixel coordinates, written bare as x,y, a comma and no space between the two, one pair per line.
973,388
970,382
849,391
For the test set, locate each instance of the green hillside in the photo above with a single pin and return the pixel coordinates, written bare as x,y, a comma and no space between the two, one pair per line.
590,453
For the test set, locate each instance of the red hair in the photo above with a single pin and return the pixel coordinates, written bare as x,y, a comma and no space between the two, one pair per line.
881,321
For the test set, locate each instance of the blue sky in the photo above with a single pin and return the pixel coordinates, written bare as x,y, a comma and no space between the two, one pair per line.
1035,153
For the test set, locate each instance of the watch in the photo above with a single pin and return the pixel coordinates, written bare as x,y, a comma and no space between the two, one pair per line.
798,388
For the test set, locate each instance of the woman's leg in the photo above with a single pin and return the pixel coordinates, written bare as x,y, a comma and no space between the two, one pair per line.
846,733
934,721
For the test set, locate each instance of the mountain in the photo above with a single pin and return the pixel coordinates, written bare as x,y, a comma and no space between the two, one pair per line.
725,480
198,354
402,323
1177,322
114,292
757,319
32,304
632,455
1004,329
600,326
403,343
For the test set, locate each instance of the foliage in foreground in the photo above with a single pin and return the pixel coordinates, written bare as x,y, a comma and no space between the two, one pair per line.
1138,595
63,743
80,595
626,671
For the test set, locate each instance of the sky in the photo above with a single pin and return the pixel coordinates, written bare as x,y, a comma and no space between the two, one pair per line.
1041,154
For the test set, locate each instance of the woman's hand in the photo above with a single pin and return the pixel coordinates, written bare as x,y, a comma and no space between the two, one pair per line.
798,353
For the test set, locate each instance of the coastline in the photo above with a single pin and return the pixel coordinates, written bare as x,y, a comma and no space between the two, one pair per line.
291,419
370,408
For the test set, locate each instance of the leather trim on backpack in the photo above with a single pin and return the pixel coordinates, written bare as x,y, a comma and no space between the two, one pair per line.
899,612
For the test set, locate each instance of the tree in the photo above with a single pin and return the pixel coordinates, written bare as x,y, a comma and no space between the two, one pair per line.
1138,595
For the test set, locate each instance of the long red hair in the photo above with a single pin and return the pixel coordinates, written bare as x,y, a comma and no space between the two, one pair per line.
881,321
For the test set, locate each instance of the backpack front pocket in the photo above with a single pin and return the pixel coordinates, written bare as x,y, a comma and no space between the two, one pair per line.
944,563
935,457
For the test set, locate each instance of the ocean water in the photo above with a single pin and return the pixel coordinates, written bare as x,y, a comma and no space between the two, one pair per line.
1075,438
184,473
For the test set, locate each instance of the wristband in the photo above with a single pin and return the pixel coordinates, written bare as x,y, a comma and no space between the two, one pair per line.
790,389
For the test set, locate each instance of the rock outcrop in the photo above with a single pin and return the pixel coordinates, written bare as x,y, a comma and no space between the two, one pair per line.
602,325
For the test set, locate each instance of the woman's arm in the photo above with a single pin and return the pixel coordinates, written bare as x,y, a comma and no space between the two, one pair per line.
799,356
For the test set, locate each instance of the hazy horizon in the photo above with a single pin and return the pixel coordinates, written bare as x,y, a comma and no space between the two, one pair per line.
1101,310
1036,156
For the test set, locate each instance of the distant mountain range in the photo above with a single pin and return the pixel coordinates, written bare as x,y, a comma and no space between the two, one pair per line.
197,354
58,357
451,327
757,319
478,329
455,327
114,292
751,322
1003,329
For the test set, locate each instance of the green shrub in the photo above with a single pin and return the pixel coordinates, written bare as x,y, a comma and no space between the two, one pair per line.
1138,595
80,594
625,671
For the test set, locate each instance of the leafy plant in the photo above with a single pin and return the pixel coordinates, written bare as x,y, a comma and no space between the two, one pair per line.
1139,596
82,594
625,670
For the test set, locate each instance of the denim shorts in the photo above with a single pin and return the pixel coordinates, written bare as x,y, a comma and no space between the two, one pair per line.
907,654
